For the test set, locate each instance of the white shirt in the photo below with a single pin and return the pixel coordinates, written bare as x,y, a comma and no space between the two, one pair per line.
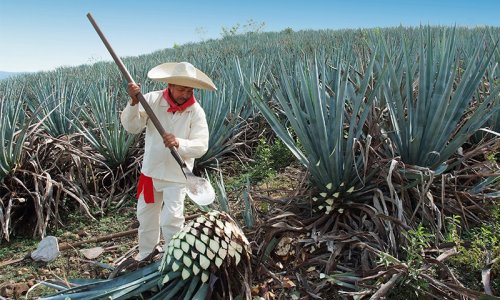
189,126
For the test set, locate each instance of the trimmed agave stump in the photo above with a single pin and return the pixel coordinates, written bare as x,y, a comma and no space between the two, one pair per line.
208,259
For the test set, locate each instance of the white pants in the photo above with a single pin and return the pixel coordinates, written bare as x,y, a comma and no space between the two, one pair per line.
166,212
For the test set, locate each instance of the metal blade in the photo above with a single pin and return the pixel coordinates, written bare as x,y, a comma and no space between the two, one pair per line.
199,190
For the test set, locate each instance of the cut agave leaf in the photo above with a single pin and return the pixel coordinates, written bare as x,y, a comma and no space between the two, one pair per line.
185,274
220,224
228,230
178,253
206,230
237,246
166,278
222,253
187,261
218,261
219,232
200,246
190,239
237,257
214,246
204,238
210,254
175,266
205,276
196,269
204,262
231,251
185,247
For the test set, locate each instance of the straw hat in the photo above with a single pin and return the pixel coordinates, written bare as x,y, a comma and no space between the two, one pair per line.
182,73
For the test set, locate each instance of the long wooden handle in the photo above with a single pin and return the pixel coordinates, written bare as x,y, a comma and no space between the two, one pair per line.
141,98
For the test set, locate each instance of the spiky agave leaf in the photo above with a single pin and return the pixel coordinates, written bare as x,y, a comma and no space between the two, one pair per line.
205,250
127,286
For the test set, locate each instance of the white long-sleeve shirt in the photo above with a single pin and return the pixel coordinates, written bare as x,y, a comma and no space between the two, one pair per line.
189,126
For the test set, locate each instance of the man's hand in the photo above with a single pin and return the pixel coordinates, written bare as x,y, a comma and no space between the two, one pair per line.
132,90
170,140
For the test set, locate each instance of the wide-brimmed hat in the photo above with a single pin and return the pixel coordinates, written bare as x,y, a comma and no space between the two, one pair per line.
182,73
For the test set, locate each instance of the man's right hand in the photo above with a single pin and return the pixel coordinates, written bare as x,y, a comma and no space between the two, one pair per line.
132,90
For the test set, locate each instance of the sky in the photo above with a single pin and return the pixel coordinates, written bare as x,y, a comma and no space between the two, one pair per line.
41,35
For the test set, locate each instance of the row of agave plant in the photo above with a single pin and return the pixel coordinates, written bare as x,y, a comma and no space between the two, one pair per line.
393,132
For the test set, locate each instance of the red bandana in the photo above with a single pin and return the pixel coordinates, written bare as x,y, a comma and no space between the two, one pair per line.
173,106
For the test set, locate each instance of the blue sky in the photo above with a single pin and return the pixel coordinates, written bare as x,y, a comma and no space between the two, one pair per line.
38,35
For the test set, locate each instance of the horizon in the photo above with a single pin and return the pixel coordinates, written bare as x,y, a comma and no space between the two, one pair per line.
45,35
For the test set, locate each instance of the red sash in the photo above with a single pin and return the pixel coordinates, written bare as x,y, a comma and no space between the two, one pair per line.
145,185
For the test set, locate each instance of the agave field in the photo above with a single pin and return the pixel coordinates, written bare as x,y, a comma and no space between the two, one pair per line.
392,136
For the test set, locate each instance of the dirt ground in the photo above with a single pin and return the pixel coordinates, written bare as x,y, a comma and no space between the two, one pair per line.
81,256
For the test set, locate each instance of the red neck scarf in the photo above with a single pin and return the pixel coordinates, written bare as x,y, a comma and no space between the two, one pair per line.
174,106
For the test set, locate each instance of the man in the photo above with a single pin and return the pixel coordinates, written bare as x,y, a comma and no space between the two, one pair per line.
161,188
